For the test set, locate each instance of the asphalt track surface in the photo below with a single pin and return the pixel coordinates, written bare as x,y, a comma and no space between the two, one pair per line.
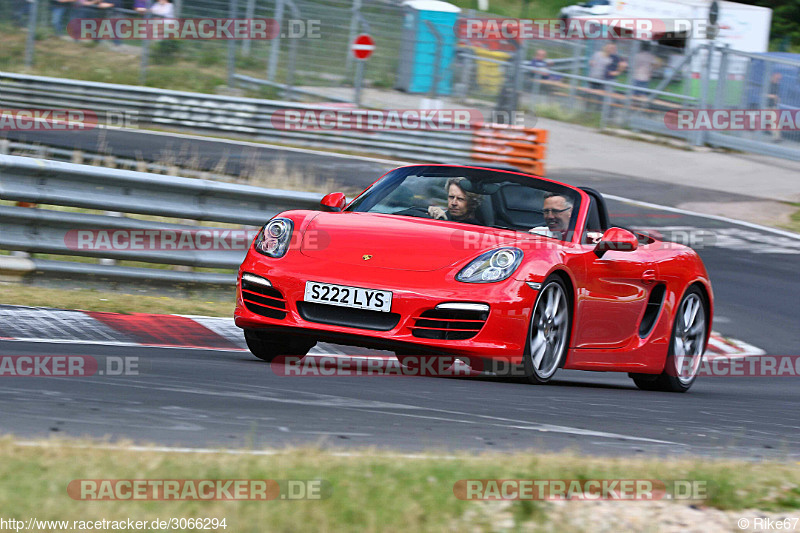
200,398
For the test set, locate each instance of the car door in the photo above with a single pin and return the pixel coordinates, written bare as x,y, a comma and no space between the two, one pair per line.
613,298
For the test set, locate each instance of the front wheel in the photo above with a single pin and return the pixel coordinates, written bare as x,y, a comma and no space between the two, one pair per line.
685,348
548,335
267,346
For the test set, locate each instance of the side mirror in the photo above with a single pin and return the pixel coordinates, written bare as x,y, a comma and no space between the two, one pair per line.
334,201
617,239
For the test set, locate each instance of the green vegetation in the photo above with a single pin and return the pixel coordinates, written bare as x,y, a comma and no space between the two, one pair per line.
370,491
519,8
794,219
114,302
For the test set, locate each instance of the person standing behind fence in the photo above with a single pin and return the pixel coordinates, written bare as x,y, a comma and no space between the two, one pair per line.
598,64
59,8
644,63
773,101
164,9
540,61
616,66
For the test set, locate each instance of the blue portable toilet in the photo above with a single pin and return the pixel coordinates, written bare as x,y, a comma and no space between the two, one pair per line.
418,47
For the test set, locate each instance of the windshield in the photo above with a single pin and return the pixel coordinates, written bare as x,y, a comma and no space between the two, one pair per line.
481,197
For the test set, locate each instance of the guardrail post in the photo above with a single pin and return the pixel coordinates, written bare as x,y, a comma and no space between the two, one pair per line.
605,107
292,52
275,50
14,268
30,42
145,55
699,137
635,48
722,79
249,13
437,58
573,81
353,32
233,7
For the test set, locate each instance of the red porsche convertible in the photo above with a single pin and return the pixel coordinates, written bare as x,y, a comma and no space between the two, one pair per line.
487,265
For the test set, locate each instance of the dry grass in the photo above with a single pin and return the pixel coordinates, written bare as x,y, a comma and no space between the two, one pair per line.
371,491
794,220
114,302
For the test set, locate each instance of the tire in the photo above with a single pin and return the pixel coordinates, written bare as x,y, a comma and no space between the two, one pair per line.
687,341
548,333
267,347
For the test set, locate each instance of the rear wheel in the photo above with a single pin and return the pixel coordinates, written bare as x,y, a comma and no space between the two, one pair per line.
685,348
548,335
267,346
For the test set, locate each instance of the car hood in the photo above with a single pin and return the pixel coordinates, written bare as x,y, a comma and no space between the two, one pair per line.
396,242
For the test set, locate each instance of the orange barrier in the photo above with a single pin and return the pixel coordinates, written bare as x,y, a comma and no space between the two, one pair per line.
521,147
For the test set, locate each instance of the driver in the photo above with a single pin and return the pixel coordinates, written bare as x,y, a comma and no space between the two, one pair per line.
557,211
461,205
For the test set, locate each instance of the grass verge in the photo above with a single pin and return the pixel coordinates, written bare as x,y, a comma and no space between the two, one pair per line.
794,219
370,491
113,302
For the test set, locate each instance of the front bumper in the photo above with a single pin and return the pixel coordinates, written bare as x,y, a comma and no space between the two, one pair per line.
502,336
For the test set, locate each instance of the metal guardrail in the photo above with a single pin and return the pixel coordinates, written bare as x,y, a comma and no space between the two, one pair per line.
24,179
230,115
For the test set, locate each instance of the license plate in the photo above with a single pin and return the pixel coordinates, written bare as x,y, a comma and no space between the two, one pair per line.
326,293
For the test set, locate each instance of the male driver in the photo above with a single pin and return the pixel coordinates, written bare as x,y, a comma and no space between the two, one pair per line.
461,205
557,211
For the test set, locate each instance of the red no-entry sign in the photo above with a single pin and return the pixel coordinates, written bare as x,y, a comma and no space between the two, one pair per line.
363,46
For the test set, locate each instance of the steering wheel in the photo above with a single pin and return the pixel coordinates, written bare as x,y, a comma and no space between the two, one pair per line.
421,212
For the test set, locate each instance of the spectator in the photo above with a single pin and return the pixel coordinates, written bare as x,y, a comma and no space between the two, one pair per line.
773,101
84,9
598,65
141,6
164,9
59,8
21,12
540,61
616,65
643,65
106,9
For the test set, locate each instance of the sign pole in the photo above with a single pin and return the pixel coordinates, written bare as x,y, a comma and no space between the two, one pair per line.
359,80
362,48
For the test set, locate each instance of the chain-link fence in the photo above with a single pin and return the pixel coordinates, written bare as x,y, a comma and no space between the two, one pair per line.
625,82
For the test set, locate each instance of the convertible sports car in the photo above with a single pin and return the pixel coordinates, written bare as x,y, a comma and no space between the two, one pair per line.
525,271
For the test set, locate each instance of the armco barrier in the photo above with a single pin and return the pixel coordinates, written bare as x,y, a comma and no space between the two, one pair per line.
249,117
29,180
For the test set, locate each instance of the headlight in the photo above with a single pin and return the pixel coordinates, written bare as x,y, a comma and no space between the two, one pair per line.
273,239
495,265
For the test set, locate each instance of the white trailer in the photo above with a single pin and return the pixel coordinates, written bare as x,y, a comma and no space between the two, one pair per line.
741,26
